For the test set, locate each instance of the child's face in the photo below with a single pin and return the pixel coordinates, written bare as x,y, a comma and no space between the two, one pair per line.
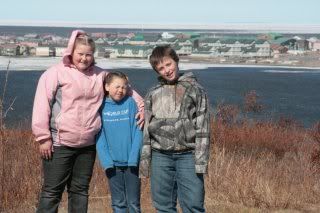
168,69
117,88
82,56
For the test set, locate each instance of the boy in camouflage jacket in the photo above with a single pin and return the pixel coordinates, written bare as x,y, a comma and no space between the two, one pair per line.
176,136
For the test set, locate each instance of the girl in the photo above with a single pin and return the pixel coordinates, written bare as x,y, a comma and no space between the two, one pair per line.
119,143
65,122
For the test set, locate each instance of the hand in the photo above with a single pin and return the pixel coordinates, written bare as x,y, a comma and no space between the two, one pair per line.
140,117
46,149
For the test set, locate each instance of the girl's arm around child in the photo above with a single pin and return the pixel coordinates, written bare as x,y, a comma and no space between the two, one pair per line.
136,138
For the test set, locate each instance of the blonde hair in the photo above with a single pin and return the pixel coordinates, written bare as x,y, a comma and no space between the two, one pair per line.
85,40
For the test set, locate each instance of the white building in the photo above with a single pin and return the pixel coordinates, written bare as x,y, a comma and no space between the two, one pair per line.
166,35
44,51
59,51
128,51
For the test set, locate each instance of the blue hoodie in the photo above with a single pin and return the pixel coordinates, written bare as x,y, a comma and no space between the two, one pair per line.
120,139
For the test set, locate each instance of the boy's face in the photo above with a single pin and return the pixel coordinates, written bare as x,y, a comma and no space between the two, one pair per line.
168,69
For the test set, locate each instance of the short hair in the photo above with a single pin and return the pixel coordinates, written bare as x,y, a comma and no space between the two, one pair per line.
160,52
112,75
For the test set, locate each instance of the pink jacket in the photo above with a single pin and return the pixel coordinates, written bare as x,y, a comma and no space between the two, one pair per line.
67,102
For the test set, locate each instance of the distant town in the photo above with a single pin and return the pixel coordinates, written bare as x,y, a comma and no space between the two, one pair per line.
267,48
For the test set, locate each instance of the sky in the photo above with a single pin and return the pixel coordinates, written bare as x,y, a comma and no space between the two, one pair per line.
162,12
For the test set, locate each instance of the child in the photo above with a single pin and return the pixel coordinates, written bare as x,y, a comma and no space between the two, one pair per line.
65,122
119,143
176,136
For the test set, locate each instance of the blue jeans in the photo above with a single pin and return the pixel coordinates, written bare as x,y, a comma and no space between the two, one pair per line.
124,184
173,176
71,167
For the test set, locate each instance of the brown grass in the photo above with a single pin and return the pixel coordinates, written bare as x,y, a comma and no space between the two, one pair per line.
263,165
254,167
251,102
20,170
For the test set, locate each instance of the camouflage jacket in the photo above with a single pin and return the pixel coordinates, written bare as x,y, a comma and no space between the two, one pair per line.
176,120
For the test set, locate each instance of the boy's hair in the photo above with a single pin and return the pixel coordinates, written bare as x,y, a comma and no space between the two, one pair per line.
160,52
85,40
112,75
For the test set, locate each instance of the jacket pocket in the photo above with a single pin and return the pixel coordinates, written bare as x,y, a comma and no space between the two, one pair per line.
163,132
186,132
68,127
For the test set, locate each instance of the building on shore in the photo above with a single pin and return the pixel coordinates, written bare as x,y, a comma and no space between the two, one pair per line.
216,47
314,44
183,50
130,51
44,51
140,45
9,49
59,51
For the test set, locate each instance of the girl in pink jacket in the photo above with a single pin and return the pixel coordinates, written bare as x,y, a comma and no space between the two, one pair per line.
65,122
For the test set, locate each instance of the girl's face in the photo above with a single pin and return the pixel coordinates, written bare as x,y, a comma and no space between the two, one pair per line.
82,56
117,88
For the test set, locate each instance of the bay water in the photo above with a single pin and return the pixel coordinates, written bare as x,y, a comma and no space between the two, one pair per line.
283,92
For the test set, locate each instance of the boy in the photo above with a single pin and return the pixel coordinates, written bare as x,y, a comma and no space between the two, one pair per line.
176,136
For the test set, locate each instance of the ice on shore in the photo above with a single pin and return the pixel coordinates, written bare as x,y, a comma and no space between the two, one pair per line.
292,71
27,63
43,63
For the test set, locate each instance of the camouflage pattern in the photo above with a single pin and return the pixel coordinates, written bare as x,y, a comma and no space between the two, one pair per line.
176,120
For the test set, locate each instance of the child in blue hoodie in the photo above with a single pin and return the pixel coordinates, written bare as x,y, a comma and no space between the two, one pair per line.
119,143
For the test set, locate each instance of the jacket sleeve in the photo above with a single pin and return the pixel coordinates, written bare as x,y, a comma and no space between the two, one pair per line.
136,136
145,158
44,97
202,123
138,99
103,151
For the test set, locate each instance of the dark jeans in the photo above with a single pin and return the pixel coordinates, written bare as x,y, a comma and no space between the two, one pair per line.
173,176
72,167
124,184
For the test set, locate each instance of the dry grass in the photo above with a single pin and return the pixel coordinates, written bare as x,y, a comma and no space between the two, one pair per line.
20,170
254,167
263,165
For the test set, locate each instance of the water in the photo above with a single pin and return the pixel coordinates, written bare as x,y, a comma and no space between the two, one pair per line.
60,31
283,92
66,31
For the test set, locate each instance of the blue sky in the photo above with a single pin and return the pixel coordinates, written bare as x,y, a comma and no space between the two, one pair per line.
163,12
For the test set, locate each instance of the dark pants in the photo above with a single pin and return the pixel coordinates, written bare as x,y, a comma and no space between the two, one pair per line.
124,184
173,176
72,167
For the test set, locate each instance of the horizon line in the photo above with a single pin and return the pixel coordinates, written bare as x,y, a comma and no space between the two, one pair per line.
258,26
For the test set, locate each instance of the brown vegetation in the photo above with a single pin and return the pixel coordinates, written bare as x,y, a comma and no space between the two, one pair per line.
265,166
254,166
20,166
262,166
251,102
